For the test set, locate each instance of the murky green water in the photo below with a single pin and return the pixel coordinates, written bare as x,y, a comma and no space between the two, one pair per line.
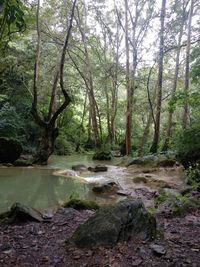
44,187
39,188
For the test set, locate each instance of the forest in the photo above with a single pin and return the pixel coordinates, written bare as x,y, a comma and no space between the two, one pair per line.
94,94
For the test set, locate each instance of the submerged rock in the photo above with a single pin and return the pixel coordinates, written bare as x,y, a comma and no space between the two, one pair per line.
10,150
21,213
120,222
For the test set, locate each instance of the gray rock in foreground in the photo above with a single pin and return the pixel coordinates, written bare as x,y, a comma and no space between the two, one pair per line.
120,222
21,213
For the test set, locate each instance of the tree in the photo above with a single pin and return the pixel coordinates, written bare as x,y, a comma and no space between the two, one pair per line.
187,68
154,146
182,19
12,19
47,124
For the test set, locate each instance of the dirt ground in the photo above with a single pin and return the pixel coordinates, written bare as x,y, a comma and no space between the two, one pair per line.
43,244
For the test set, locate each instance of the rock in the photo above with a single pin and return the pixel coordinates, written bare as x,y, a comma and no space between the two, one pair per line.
155,160
110,187
123,192
139,179
98,168
65,173
79,167
21,213
112,224
116,153
102,155
146,160
158,250
10,150
166,163
80,204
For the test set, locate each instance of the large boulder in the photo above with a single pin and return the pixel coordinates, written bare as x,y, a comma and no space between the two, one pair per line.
102,155
112,224
164,159
10,150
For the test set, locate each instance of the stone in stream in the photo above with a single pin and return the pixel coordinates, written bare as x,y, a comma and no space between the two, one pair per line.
98,168
21,213
119,222
79,167
110,187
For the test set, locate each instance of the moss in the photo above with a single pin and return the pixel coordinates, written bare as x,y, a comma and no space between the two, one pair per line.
139,179
160,199
80,204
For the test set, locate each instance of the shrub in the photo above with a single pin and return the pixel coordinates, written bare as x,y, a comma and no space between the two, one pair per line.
188,146
63,147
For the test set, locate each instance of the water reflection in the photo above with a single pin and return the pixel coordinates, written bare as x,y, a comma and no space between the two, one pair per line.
37,188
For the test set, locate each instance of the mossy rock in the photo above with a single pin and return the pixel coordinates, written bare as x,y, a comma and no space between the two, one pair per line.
117,223
102,155
140,179
10,150
22,163
80,204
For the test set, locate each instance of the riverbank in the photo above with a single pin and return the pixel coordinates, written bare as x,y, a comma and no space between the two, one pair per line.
43,244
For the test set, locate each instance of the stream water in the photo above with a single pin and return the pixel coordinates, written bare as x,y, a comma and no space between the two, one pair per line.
38,187
43,187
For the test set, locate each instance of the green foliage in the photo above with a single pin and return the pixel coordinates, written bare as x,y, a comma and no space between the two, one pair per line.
12,18
193,175
11,125
63,147
161,198
188,145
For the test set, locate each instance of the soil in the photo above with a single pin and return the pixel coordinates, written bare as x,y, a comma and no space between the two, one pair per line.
43,244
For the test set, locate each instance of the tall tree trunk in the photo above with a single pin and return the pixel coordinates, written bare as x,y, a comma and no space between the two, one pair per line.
89,81
174,86
187,68
128,87
154,146
47,125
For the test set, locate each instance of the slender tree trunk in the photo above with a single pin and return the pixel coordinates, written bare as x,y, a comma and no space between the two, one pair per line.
187,68
128,87
154,146
174,86
89,82
145,134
